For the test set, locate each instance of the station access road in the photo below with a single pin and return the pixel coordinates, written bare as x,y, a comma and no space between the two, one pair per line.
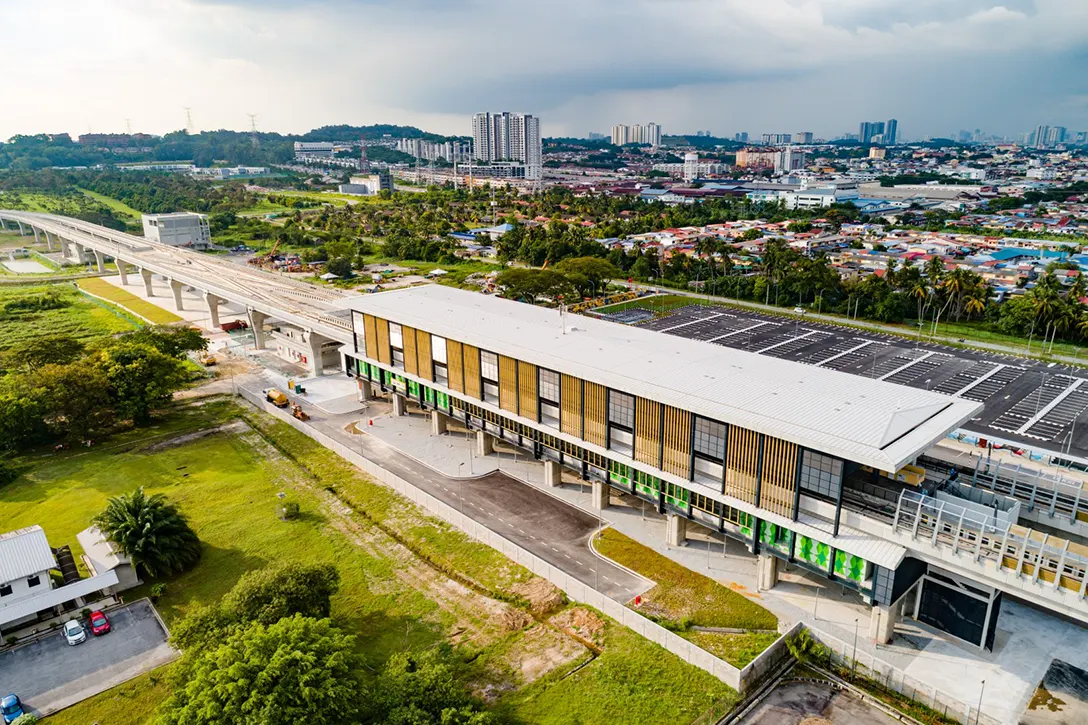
544,525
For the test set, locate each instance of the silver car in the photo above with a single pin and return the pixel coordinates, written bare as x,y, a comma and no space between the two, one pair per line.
74,632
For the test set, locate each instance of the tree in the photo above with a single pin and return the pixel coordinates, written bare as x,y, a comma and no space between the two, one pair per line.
422,689
268,595
298,670
589,274
75,398
44,350
750,235
139,378
172,340
531,284
151,531
340,266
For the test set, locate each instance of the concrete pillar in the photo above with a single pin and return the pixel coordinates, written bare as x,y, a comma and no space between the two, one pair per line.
175,287
600,495
49,241
485,444
146,274
317,361
100,260
882,623
365,391
37,237
400,404
21,232
553,473
213,310
766,572
123,272
256,324
676,530
439,423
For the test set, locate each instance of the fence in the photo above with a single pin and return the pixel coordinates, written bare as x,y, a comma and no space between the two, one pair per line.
740,680
892,678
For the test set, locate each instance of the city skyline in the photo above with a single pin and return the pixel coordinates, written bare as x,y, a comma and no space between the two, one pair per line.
295,65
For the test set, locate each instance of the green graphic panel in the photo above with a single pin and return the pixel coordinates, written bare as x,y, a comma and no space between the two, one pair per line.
428,396
619,473
814,552
776,537
443,401
413,389
745,524
850,567
647,484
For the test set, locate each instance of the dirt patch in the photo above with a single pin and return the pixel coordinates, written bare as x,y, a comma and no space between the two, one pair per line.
543,597
581,622
235,427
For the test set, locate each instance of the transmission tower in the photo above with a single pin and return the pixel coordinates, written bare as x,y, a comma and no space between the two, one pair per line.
364,162
189,120
253,129
128,125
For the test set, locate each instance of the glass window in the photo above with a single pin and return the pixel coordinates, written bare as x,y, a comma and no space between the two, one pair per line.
33,581
441,374
359,328
396,338
820,474
489,366
5,590
621,409
709,438
549,385
549,414
398,359
438,349
621,441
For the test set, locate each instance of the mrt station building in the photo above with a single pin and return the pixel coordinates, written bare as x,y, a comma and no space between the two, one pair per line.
803,464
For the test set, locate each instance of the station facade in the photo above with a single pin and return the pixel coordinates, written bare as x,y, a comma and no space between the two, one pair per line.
718,453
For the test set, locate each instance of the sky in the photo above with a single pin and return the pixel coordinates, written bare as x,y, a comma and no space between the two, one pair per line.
762,66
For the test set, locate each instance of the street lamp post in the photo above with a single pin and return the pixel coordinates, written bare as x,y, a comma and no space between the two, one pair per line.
854,667
978,710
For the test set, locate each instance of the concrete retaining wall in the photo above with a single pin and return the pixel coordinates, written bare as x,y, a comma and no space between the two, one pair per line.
576,590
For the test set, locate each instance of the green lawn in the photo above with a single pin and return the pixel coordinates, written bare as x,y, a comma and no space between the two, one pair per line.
226,484
683,598
83,318
116,204
123,298
656,303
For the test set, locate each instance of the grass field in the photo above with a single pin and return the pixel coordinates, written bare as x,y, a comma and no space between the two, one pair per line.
116,204
683,599
656,303
82,318
226,483
123,298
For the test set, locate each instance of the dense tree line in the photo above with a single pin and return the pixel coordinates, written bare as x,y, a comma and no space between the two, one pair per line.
54,388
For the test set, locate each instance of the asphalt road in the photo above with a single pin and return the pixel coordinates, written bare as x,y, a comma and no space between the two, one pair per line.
546,526
49,674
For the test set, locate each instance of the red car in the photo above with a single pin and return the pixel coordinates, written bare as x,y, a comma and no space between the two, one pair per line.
99,624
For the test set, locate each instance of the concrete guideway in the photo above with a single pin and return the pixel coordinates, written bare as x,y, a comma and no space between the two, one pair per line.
267,297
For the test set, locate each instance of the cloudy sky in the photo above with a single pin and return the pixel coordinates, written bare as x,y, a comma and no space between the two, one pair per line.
581,65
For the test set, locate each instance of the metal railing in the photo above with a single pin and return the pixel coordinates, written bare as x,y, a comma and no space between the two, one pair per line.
1013,548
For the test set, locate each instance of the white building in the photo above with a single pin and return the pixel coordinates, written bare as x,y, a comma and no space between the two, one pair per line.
313,149
27,594
1042,174
180,229
691,166
368,185
648,134
102,556
703,168
509,137
789,159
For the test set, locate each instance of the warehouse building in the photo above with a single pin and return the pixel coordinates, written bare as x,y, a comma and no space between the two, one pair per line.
783,456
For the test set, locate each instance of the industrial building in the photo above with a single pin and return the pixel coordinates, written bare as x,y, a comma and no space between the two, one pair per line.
180,229
368,185
787,458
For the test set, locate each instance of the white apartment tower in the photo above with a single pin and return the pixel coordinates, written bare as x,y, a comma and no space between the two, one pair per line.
508,137
648,134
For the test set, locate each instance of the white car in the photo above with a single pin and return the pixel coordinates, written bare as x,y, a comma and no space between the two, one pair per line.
74,632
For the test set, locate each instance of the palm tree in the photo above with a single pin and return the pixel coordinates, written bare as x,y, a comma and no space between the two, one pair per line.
150,531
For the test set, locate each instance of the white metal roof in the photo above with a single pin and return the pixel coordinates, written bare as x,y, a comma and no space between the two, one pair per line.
23,553
868,421
103,555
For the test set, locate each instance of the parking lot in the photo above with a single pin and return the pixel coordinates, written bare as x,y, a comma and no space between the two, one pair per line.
49,674
1042,405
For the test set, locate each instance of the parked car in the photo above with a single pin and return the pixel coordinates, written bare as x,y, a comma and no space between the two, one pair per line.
74,632
100,623
11,708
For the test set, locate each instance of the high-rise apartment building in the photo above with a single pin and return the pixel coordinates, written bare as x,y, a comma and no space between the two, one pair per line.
803,137
869,129
1048,136
648,134
508,137
775,139
741,137
891,132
